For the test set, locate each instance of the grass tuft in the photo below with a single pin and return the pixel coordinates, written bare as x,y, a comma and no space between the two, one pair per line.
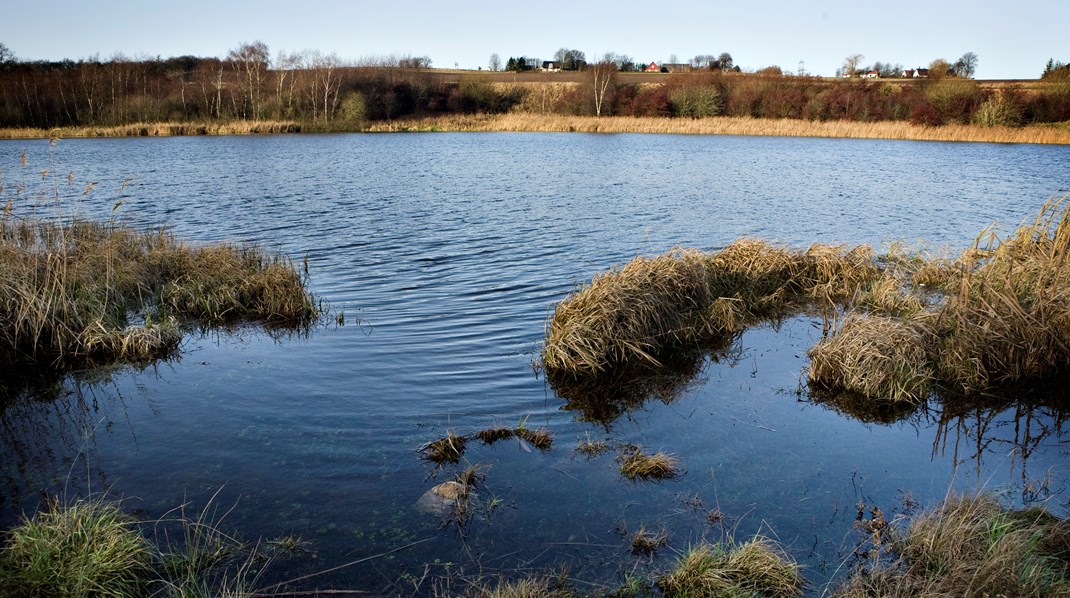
646,543
492,435
446,449
637,465
88,548
754,568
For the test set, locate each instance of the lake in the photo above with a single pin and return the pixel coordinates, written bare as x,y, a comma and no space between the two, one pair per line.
446,254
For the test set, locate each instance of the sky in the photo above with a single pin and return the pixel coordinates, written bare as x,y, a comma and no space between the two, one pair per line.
1013,40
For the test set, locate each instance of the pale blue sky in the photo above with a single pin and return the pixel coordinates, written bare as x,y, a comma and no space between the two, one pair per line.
1012,39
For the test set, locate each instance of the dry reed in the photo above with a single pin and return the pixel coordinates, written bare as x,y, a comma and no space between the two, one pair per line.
70,289
875,356
162,129
971,546
728,125
689,300
637,465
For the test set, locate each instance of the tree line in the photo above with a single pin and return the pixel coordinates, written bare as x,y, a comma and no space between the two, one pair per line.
322,90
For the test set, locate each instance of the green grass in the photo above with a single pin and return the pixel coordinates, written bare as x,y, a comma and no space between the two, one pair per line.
88,548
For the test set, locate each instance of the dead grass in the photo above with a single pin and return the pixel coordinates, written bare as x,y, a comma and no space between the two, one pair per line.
492,435
75,293
875,356
165,129
725,125
971,546
539,438
755,568
637,465
687,300
646,542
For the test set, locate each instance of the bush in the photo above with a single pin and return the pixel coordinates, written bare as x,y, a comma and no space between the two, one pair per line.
695,102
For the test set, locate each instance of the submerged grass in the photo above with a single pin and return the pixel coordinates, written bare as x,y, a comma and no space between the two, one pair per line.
971,546
755,568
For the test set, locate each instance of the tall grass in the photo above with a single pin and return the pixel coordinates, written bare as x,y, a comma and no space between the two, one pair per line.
75,292
158,129
686,299
971,546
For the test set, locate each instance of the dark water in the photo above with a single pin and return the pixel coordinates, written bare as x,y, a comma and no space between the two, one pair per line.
446,253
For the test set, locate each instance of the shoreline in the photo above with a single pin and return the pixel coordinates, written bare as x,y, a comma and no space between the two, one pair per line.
547,123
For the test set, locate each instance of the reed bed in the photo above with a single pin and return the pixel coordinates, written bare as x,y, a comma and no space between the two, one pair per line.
755,568
535,121
76,293
161,129
971,546
687,300
1004,319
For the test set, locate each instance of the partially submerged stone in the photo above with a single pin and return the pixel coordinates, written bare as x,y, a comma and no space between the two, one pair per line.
446,498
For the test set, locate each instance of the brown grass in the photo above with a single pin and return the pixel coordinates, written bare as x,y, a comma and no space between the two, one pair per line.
755,568
726,125
74,293
875,356
165,129
689,300
645,542
971,546
492,435
637,465
539,438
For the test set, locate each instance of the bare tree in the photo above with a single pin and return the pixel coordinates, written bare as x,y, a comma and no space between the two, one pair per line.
495,62
966,66
850,64
6,55
602,77
725,61
252,61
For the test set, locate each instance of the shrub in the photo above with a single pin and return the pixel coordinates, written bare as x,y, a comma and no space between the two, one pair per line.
695,102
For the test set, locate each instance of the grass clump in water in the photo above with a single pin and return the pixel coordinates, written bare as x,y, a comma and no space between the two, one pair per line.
687,300
646,543
971,546
89,548
754,568
79,293
449,448
492,435
637,465
875,356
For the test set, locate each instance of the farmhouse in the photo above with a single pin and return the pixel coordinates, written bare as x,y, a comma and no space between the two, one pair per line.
652,68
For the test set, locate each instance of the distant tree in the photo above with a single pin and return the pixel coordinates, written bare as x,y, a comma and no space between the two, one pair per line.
850,65
495,62
724,62
570,60
623,62
252,61
966,66
1056,71
939,68
6,55
602,78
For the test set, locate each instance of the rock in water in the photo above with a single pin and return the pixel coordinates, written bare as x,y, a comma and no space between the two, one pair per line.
443,500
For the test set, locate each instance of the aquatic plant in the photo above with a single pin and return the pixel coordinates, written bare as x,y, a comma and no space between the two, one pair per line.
492,435
755,568
646,542
86,548
448,448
